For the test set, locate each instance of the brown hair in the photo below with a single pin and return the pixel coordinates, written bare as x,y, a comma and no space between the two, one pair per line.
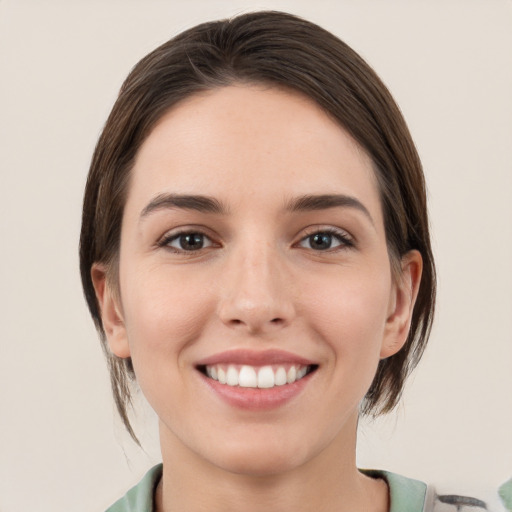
278,49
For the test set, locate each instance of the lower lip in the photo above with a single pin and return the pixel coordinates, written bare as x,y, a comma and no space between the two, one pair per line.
256,399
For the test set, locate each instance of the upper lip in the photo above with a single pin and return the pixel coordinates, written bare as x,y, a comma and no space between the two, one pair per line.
254,358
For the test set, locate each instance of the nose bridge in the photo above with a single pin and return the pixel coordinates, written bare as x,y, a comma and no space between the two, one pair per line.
256,295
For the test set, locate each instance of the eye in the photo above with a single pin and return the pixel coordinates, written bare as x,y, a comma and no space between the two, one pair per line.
325,240
187,242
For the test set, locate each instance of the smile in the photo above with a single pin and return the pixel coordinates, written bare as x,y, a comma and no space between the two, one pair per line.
262,377
256,381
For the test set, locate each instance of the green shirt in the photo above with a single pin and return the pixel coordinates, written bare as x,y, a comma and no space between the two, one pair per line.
506,494
140,497
406,495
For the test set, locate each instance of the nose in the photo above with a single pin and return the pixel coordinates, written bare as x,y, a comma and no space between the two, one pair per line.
257,291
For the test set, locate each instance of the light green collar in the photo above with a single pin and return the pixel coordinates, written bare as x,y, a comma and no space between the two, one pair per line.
141,497
506,494
406,495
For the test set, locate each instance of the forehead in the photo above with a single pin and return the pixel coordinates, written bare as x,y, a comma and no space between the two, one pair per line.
245,141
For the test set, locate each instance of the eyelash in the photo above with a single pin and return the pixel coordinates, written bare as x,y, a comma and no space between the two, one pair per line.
345,241
167,239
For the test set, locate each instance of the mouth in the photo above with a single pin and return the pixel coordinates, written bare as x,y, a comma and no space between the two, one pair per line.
257,381
256,376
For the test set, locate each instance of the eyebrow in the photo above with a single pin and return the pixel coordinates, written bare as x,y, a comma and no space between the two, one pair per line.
199,203
207,204
325,201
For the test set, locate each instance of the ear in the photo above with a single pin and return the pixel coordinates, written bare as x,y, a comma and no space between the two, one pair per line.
111,312
402,300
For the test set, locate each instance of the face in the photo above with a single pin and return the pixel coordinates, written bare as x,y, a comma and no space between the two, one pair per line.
255,288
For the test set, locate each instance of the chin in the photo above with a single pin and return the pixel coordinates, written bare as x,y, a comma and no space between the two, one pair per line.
264,458
260,465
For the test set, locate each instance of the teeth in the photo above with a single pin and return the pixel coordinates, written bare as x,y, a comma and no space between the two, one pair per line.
266,377
232,376
263,377
291,375
280,378
301,372
247,377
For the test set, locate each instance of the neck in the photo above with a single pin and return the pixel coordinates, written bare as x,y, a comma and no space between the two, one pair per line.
328,482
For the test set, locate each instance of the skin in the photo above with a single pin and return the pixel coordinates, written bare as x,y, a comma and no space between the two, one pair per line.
258,283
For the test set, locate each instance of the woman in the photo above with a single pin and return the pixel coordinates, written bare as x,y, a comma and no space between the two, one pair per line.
255,253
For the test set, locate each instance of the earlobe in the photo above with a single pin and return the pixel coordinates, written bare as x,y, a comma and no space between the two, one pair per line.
111,312
402,302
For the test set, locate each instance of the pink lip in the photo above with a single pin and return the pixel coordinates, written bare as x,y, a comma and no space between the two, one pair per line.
255,358
254,399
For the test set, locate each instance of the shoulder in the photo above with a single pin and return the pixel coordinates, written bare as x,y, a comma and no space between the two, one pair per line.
505,493
409,495
405,494
140,497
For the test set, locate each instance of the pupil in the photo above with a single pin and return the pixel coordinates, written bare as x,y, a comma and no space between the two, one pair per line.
321,241
192,241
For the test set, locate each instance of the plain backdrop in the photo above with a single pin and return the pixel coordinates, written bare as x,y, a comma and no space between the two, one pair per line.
449,65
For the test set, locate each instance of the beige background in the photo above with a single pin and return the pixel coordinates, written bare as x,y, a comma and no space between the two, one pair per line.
449,65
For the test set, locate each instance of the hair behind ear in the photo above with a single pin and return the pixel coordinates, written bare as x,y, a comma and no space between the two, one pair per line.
114,341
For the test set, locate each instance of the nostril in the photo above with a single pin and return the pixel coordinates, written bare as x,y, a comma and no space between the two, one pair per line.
276,320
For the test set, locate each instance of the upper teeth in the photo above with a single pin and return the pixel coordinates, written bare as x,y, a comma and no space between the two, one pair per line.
256,377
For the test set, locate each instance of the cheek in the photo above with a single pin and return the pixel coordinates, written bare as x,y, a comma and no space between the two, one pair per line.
350,311
163,316
163,312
